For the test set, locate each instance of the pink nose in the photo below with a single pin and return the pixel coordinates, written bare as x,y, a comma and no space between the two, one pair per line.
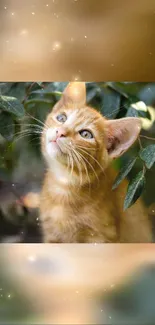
60,133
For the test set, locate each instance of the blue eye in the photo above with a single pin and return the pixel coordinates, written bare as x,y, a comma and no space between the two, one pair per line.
61,118
86,134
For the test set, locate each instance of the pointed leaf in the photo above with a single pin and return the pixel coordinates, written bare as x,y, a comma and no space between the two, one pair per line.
11,105
124,172
110,103
132,112
6,126
135,189
91,94
148,155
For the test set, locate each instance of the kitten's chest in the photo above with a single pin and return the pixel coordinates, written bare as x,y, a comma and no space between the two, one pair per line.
59,223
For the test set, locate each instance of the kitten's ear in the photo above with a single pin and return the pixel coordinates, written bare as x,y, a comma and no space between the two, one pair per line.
74,95
121,134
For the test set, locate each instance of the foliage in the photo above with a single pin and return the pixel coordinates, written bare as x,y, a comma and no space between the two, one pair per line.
132,302
25,104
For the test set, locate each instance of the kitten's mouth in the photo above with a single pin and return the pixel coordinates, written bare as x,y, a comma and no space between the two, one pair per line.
57,145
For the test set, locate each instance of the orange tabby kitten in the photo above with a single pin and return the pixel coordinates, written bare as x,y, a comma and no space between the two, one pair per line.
77,201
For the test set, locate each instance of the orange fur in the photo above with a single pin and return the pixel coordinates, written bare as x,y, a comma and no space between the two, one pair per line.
77,201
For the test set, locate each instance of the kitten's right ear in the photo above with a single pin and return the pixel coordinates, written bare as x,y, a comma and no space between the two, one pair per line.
74,95
121,134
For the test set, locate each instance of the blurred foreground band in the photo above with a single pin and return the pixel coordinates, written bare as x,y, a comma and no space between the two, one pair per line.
77,284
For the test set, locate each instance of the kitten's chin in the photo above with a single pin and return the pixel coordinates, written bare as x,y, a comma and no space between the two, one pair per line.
55,152
53,149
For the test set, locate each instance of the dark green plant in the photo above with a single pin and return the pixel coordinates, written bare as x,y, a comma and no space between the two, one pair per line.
23,105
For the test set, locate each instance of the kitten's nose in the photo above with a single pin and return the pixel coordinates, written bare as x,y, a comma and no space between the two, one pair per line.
61,132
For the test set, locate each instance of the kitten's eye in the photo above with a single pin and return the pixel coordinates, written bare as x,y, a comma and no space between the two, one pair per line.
61,118
86,134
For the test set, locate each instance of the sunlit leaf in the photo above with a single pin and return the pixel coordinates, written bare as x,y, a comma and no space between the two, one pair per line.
148,155
135,189
39,83
11,105
124,172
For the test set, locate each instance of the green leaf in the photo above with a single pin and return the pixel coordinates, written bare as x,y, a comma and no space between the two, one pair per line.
124,172
128,89
91,94
135,189
7,127
110,103
148,155
132,112
144,114
39,83
147,94
12,105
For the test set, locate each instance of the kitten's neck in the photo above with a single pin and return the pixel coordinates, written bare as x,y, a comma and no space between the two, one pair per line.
63,175
71,177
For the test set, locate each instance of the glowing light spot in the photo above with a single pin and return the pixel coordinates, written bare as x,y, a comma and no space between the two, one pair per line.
23,32
12,14
33,13
112,285
56,15
56,46
31,258
76,78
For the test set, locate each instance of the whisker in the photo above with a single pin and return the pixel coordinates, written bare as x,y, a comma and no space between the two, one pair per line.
93,149
27,132
71,159
92,158
115,110
146,137
90,166
21,137
33,126
85,167
78,165
34,118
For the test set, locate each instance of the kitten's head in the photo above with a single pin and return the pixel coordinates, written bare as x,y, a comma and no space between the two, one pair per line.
79,137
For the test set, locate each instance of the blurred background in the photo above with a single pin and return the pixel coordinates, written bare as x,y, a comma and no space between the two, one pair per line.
77,284
23,110
76,39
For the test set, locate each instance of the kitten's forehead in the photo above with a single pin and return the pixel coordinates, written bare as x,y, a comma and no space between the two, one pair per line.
83,117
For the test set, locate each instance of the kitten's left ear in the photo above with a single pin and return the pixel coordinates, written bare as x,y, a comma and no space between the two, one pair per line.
121,134
74,95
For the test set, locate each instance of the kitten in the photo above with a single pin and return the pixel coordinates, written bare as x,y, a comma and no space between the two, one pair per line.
77,202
